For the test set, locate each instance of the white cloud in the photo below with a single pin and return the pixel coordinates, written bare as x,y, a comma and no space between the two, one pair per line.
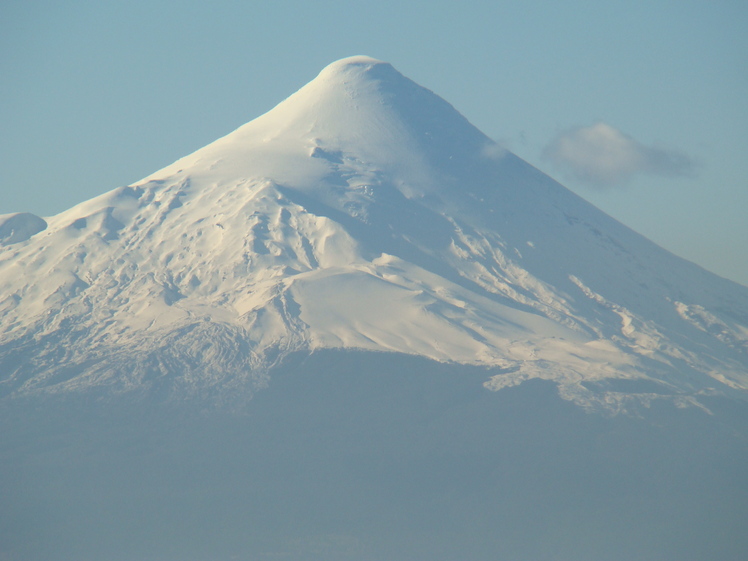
603,156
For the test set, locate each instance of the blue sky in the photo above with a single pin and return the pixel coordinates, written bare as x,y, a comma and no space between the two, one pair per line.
639,107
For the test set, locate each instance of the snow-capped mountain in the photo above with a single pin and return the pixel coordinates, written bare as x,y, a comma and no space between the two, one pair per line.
363,212
366,266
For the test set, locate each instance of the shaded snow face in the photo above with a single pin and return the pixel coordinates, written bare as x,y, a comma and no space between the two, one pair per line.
363,212
15,228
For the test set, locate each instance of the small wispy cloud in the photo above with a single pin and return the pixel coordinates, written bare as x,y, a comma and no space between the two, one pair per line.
602,156
494,150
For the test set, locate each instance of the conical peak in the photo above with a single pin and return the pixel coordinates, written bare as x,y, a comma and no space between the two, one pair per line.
363,98
357,105
357,84
351,64
356,71
354,76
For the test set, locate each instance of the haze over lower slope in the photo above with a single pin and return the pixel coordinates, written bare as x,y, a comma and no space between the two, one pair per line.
363,212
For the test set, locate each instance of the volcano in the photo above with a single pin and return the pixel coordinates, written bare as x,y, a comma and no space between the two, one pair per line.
405,319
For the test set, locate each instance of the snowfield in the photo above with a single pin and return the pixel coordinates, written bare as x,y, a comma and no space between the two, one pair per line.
363,212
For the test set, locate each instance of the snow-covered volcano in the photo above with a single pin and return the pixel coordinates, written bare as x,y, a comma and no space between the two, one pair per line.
363,212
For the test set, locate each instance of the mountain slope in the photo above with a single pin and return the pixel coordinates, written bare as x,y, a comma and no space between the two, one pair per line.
363,212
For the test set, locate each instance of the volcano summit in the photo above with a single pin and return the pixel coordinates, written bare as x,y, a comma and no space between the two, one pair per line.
363,244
